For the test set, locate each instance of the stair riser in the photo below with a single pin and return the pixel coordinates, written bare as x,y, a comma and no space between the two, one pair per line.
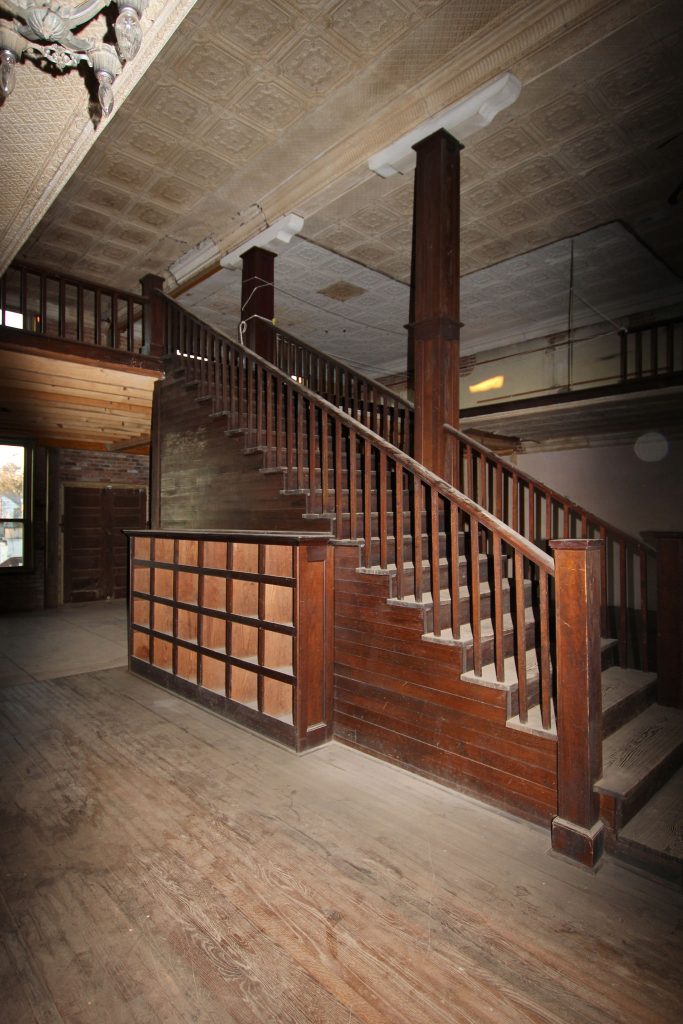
488,649
616,812
627,709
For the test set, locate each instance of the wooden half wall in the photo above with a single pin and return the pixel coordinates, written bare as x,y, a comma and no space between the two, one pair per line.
401,698
208,480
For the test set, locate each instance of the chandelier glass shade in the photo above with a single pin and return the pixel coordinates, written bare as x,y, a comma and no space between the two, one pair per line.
43,31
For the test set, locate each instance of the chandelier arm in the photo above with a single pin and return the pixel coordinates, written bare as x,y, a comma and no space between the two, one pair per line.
59,56
84,12
13,7
80,44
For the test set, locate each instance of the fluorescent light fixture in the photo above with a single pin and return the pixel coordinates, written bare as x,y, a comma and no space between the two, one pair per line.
491,384
462,119
195,260
281,230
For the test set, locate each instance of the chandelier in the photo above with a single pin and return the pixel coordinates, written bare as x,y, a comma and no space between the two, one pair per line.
43,31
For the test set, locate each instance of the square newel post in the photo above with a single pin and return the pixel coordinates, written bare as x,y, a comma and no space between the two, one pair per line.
258,301
153,320
577,831
435,300
669,618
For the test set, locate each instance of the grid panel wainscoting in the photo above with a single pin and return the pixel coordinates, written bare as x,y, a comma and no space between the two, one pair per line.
241,622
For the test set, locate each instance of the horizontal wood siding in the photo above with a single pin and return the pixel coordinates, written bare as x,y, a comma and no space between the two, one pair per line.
401,698
208,482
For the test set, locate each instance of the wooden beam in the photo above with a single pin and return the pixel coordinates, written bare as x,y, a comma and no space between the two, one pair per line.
143,441
13,340
58,397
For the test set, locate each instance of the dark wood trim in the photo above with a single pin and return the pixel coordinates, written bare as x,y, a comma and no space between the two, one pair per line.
153,318
435,299
258,300
155,462
655,382
70,279
53,566
13,340
577,831
669,617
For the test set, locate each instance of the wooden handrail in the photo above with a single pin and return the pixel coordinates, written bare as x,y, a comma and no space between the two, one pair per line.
70,279
74,312
485,477
490,479
381,389
545,490
364,398
361,479
539,486
529,550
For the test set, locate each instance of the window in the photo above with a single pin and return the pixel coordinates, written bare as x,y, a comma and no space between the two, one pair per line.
14,504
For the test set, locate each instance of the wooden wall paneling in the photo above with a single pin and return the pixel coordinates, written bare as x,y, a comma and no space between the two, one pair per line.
223,489
402,699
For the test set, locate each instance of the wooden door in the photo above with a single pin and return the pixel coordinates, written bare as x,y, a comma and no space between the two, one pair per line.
95,549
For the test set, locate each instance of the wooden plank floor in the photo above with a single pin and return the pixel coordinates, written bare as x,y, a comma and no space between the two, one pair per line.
161,865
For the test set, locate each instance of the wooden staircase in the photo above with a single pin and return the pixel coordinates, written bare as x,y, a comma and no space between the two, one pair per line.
481,599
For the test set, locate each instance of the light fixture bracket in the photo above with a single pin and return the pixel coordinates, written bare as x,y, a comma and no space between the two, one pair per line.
463,118
281,230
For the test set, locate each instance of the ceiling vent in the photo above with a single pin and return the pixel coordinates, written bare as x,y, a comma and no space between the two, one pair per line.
342,291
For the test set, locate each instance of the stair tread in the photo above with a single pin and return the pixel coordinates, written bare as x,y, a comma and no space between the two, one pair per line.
619,683
638,748
659,825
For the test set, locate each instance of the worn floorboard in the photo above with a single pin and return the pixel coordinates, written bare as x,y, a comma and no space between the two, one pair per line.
162,865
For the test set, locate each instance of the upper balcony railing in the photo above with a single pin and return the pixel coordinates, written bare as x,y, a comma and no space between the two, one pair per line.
647,356
67,308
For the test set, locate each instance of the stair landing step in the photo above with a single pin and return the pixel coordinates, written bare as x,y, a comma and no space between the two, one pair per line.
625,691
639,750
653,839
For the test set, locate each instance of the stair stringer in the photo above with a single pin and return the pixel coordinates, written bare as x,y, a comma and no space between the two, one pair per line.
211,480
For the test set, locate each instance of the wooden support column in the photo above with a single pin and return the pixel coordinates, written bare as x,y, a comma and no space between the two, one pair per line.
577,831
258,300
669,618
153,319
435,300
154,509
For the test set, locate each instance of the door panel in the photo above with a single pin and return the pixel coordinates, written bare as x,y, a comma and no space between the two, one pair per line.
95,549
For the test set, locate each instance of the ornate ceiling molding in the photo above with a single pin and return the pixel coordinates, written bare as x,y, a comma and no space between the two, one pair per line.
62,104
490,52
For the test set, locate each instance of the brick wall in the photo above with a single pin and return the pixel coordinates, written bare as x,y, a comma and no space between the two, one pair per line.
81,467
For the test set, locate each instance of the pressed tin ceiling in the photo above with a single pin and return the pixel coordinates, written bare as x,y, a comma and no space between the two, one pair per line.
48,125
255,110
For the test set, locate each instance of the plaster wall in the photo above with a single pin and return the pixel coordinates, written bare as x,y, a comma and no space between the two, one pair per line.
616,484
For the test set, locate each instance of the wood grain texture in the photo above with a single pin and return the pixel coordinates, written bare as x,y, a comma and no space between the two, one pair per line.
207,479
160,865
403,699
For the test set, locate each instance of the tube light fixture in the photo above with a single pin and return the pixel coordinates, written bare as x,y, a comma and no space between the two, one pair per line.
462,119
282,230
